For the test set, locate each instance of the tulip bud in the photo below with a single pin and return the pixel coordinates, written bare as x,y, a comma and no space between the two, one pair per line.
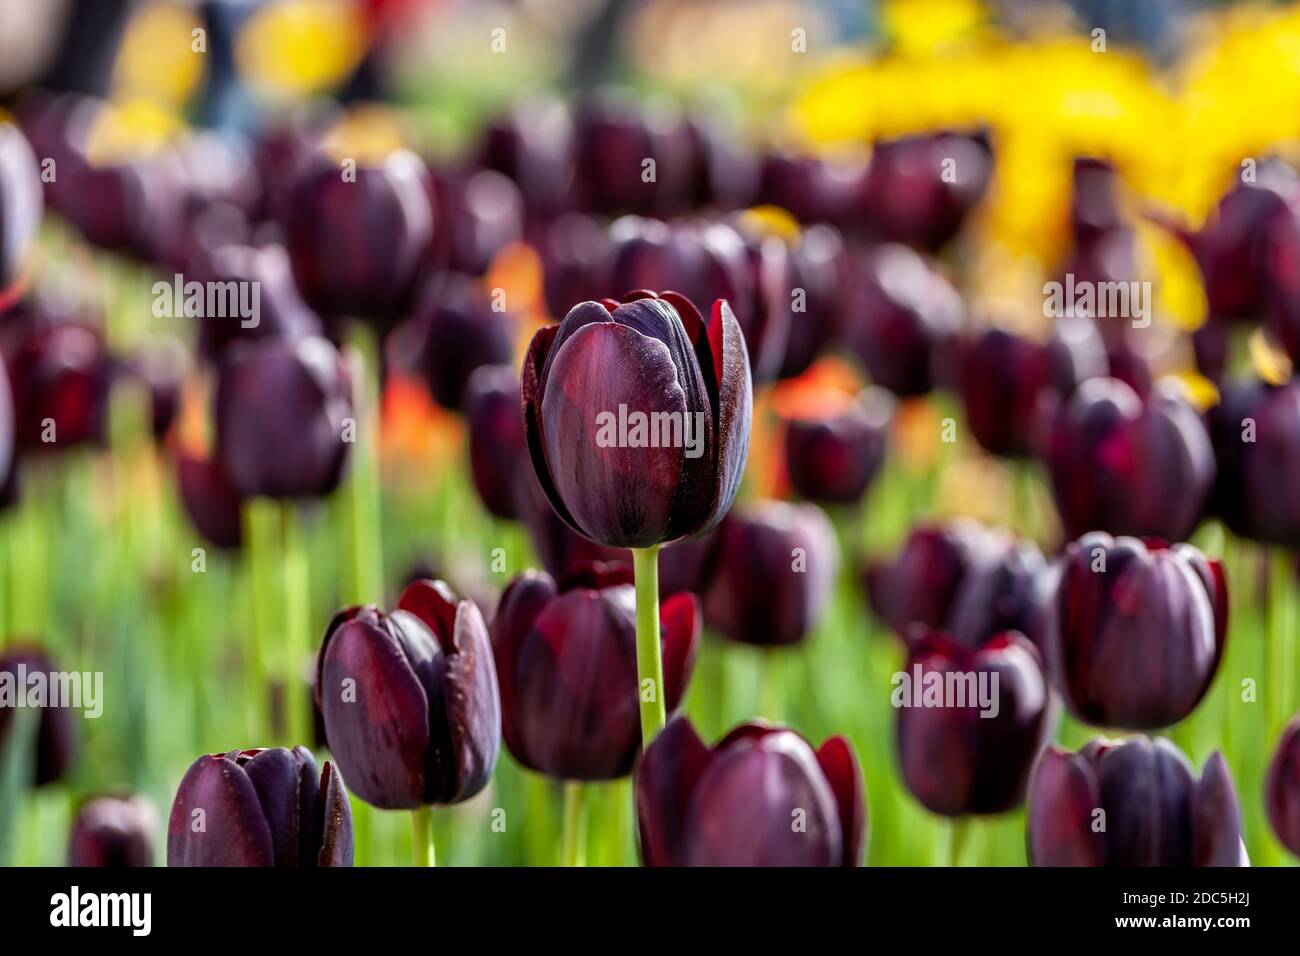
459,332
281,311
654,358
1282,790
113,831
615,137
214,507
498,452
1134,802
480,213
282,410
412,711
833,460
260,808
760,797
566,659
814,295
973,754
533,144
20,203
55,740
775,570
1255,430
573,250
1135,631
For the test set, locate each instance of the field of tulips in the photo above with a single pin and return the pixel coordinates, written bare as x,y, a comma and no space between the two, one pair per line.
485,434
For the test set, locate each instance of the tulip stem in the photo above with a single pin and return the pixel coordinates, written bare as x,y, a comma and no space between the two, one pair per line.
957,840
297,638
574,847
363,485
649,652
260,532
422,851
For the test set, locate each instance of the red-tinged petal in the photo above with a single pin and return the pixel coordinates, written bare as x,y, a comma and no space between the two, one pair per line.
664,780
679,617
335,824
434,603
840,765
690,315
733,409
1063,798
1216,817
216,819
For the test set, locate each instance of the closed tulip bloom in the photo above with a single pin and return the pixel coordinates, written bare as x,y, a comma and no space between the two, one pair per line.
281,410
833,460
459,331
573,250
1282,789
281,311
533,144
113,831
498,452
775,568
1128,466
260,808
817,266
614,137
358,247
410,700
480,212
1135,631
655,356
738,803
55,743
1144,793
212,504
566,660
973,754
20,203
560,549
810,188
901,317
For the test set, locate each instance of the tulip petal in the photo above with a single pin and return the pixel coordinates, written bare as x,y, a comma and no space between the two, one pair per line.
1146,787
335,823
733,410
216,819
538,359
434,603
524,598
277,776
1216,817
679,617
840,765
664,779
1063,799
466,733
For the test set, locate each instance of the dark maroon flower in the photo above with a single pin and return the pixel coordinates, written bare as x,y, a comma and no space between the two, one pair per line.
727,173
1134,802
212,504
113,831
533,144
20,203
761,797
160,369
498,451
573,250
282,410
808,187
656,357
281,311
460,329
833,460
566,659
1134,632
358,242
55,742
412,710
775,569
1128,466
260,808
1282,790
616,139
1094,199
972,752
901,315
480,212
813,296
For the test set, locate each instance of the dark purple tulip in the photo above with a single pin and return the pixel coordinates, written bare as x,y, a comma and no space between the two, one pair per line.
833,460
1282,790
498,451
566,659
615,138
260,808
55,734
533,144
1128,466
161,369
1133,802
1255,429
1135,631
358,248
901,315
817,267
766,322
113,831
650,355
573,250
1210,344
688,564
1094,199
775,569
282,408
459,330
908,198
966,580
561,550
741,803
480,212
212,504
412,710
20,202
973,755
809,188
281,311
727,172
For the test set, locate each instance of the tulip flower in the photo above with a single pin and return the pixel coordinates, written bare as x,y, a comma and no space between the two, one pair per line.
973,753
566,660
410,701
1282,789
654,357
1135,802
20,203
498,452
901,317
214,507
260,808
281,311
573,250
560,549
1128,466
459,331
55,738
816,269
833,460
113,831
810,188
480,212
614,138
726,170
775,569
533,144
1134,632
282,410
761,797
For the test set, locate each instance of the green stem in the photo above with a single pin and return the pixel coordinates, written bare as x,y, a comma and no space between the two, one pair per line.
772,687
297,643
574,850
422,852
957,840
261,516
1277,639
363,486
649,652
